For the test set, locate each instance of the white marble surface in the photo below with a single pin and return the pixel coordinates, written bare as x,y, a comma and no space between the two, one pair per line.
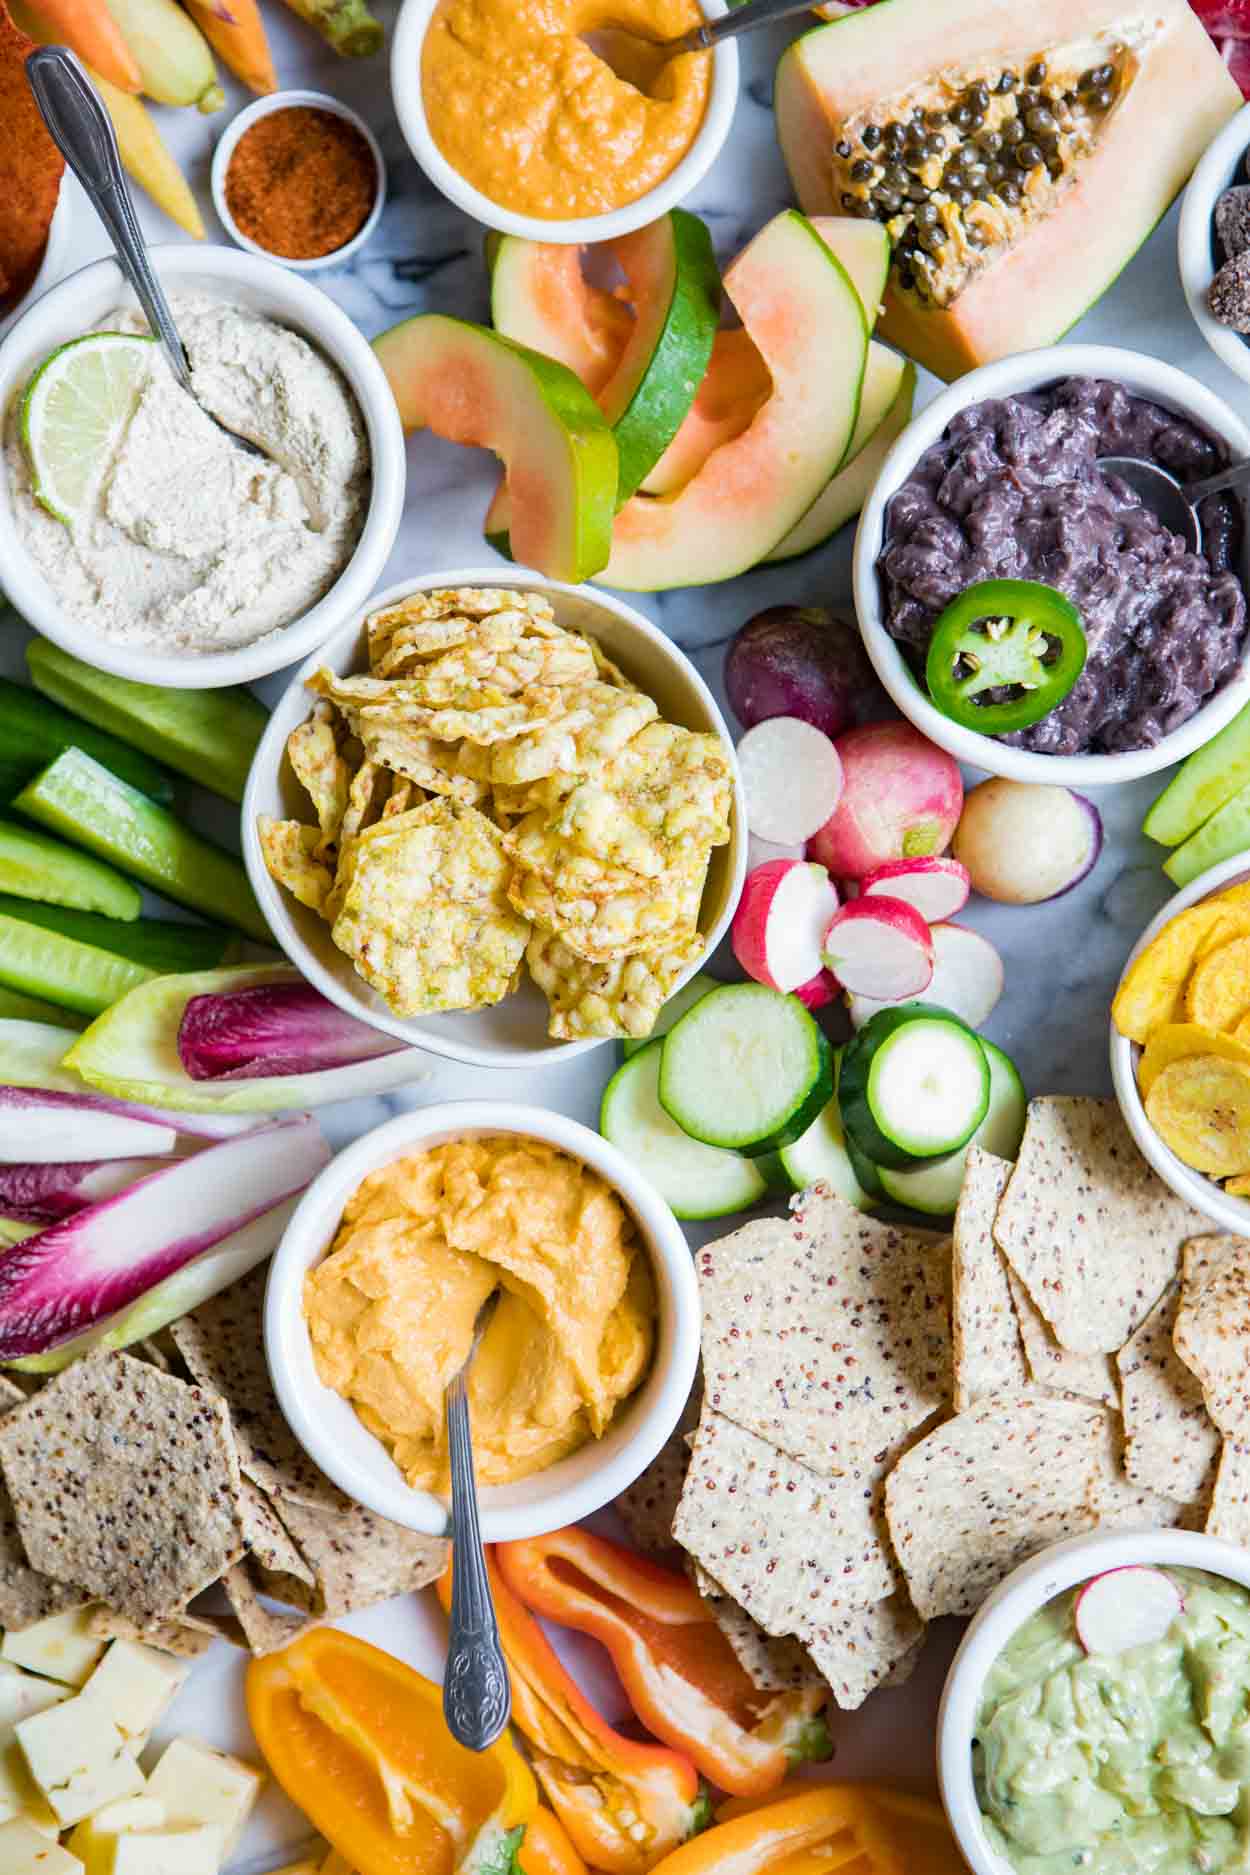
1061,959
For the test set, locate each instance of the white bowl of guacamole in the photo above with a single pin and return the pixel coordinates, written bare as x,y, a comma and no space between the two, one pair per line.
1054,1758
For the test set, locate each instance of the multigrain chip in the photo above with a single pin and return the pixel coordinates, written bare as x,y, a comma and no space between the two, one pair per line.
267,1539
125,1483
597,722
988,1489
1212,1330
417,755
654,915
1218,992
647,1506
1113,1497
290,853
1229,1516
313,751
1200,1107
1091,1232
668,790
188,1637
987,1353
1153,989
358,1558
827,1334
621,997
264,1629
26,1596
860,1649
774,1663
1091,1376
1170,1444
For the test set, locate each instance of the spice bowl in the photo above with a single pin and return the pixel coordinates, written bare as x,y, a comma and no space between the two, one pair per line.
229,141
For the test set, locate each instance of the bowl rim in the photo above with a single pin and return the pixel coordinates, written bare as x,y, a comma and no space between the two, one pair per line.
1021,371
1023,1592
298,98
657,1405
407,42
1215,172
1194,1187
269,751
311,312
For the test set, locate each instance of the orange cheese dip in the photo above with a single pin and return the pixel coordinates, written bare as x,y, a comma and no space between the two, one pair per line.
521,106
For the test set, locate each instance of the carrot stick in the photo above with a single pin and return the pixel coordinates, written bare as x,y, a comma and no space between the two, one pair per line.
236,32
89,29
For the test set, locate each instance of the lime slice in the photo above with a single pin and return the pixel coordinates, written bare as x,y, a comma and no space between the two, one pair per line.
73,410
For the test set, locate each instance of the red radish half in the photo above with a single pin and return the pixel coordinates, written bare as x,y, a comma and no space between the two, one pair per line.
967,976
819,991
781,918
1123,1608
879,947
792,779
900,799
938,888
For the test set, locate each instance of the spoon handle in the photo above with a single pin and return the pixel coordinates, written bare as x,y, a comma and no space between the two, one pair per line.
1236,476
83,132
477,1698
743,19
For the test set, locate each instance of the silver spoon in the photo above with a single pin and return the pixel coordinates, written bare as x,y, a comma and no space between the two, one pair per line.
1172,502
636,59
477,1697
83,132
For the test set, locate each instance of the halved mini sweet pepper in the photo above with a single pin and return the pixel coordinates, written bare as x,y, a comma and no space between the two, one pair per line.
679,1672
623,1803
868,1829
545,1848
358,1742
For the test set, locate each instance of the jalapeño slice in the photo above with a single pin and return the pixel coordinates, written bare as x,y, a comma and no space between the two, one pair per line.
1004,654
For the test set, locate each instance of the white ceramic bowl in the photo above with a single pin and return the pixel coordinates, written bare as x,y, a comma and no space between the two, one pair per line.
1196,1189
292,101
66,220
267,287
406,46
513,1033
1026,1590
1195,240
1029,371
328,1427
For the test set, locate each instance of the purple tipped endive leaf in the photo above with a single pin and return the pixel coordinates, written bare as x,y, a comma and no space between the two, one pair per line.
272,1028
42,1193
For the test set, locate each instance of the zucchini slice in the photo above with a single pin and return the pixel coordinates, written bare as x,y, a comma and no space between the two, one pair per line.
935,1188
746,1069
915,1085
673,1010
696,1180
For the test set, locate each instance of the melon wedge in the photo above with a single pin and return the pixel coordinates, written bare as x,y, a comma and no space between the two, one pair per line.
863,247
471,386
1031,292
800,309
540,298
884,412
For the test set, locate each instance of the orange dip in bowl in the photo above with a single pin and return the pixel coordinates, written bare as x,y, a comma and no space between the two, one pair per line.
533,118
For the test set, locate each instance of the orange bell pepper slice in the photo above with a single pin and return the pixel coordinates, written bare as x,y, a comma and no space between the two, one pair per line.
679,1672
545,1848
358,1742
623,1803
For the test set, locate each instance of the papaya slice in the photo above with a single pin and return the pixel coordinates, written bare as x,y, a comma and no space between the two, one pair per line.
1012,261
884,412
735,385
469,385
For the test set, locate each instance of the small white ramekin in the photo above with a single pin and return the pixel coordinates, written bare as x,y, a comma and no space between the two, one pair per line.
265,286
1026,1590
328,1427
407,42
66,219
1195,239
1030,371
293,101
1194,1187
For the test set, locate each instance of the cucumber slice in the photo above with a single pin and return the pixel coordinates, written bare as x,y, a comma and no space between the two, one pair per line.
33,732
822,1154
78,976
674,1009
697,1181
17,1008
33,865
77,797
935,1188
209,735
161,945
747,1069
915,1085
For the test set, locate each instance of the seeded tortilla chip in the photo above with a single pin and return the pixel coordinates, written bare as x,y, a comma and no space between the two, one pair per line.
1212,1329
1090,1231
10,1395
1113,1497
265,1629
861,1649
26,1596
647,1506
1091,1376
987,1353
358,1559
988,1489
774,1663
827,1335
1229,1516
266,1537
1170,1444
186,1637
125,1482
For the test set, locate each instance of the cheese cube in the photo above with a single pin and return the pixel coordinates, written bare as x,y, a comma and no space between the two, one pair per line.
193,1851
78,1758
23,1851
23,1693
199,1785
136,1685
20,1796
60,1647
92,1841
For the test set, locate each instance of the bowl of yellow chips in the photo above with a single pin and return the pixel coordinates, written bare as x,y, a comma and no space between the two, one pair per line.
1180,1043
497,817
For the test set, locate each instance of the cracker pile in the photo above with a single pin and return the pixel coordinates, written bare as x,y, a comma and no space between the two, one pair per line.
891,1421
134,1482
494,791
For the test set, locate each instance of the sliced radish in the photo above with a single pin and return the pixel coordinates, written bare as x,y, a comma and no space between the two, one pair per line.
1123,1608
38,1128
1024,843
760,852
879,947
967,977
42,1192
938,888
819,991
792,779
781,918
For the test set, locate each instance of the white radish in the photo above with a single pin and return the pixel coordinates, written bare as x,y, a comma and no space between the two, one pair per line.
938,888
1023,843
967,977
781,918
879,947
792,779
1123,1608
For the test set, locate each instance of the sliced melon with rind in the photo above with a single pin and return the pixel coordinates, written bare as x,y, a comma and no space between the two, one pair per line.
540,297
889,379
863,247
